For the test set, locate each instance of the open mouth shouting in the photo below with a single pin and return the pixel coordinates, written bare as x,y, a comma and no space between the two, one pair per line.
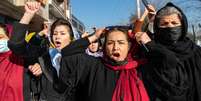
57,44
116,56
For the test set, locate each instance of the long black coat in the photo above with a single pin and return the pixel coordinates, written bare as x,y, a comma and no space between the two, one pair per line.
41,86
173,71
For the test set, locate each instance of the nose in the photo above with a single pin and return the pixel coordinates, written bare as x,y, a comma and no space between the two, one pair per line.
116,46
57,36
93,44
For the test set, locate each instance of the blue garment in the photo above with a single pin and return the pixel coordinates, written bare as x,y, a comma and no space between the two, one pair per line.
55,56
4,46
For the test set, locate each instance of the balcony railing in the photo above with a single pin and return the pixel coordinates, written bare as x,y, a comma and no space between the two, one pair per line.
56,9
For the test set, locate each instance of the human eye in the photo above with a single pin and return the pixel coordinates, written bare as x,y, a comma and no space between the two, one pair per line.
176,23
121,42
163,23
55,33
63,33
109,42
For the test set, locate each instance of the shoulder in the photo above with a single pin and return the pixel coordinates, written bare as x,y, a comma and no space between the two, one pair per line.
81,58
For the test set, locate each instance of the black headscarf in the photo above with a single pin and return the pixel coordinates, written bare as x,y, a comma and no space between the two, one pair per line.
189,55
184,46
184,21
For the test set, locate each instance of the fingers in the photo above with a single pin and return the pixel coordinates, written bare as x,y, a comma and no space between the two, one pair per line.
85,34
142,37
44,32
151,8
32,7
35,69
37,5
144,15
97,35
138,36
99,32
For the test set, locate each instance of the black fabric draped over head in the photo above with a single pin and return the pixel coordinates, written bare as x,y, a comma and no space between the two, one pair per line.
183,20
174,70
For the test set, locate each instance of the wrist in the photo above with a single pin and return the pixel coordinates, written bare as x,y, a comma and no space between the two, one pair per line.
27,18
29,13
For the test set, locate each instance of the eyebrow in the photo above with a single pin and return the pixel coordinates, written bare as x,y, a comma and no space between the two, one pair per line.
117,40
59,31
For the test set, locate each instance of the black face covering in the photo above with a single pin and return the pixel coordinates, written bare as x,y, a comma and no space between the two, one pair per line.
169,35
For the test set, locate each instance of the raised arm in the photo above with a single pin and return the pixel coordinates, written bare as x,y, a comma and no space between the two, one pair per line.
80,45
139,22
17,41
30,10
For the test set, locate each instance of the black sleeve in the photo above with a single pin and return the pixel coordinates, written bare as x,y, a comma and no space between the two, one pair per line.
164,74
36,40
19,46
74,71
158,54
17,43
76,47
73,61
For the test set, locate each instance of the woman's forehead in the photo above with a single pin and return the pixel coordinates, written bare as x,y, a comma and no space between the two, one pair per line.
172,17
62,27
116,35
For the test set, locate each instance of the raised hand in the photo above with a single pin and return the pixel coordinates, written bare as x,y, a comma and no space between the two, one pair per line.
30,10
151,12
151,9
45,30
99,32
142,37
32,7
97,35
85,34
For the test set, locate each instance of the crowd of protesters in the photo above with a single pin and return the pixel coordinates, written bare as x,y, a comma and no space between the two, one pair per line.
115,63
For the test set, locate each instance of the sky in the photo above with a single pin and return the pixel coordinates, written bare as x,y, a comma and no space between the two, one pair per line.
100,13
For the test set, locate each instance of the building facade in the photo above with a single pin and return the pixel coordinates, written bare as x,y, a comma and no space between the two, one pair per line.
12,10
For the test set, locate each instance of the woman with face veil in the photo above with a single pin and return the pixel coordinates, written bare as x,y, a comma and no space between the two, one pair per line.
173,70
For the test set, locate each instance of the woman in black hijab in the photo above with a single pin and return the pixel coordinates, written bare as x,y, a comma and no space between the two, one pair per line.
174,61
